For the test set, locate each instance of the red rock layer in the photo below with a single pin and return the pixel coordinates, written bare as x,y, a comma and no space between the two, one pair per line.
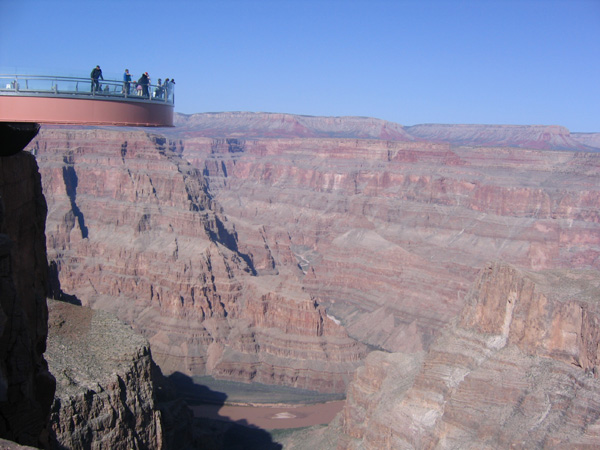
389,234
518,370
132,228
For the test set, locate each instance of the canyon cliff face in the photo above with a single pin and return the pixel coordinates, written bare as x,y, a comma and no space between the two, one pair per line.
271,248
133,229
371,222
226,251
110,393
517,369
26,386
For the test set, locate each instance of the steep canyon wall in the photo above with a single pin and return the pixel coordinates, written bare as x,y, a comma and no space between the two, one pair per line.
517,369
134,229
225,251
26,386
372,222
272,248
107,381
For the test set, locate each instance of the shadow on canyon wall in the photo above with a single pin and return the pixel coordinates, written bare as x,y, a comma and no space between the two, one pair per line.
216,431
54,289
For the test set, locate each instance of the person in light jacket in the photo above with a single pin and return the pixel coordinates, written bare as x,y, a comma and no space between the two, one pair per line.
126,82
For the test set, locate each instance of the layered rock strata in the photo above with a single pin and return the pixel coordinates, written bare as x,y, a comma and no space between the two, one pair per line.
133,228
183,235
26,386
251,124
105,387
371,222
518,369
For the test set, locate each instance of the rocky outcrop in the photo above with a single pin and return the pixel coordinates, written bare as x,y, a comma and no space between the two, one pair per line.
519,368
552,314
134,229
10,445
26,386
15,136
105,387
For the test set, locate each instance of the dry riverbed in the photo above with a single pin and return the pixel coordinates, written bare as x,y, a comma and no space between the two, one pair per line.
272,417
264,406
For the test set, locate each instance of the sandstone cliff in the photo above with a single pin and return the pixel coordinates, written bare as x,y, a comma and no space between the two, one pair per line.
518,369
183,235
26,386
134,229
371,223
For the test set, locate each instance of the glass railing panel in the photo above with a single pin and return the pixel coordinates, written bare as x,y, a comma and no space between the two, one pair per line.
58,85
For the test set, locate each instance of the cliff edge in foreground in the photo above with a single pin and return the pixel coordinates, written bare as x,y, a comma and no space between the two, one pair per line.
26,386
107,383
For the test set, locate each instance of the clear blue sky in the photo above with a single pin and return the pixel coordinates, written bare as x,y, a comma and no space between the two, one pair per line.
410,62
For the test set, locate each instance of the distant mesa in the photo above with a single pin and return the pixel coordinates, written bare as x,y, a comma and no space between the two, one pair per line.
524,136
249,125
278,125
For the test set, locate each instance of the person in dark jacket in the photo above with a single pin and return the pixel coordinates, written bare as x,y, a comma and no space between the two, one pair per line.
144,81
96,75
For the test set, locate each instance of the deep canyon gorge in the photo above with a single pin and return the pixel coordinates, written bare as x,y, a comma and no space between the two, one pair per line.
444,278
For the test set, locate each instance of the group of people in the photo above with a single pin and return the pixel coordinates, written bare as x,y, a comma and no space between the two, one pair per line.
141,86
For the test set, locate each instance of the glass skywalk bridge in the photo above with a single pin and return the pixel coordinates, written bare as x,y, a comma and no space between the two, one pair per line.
72,100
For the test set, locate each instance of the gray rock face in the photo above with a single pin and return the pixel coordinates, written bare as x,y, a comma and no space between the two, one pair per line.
26,386
105,391
105,371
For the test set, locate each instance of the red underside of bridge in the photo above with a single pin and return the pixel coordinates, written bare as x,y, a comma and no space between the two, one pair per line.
85,111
